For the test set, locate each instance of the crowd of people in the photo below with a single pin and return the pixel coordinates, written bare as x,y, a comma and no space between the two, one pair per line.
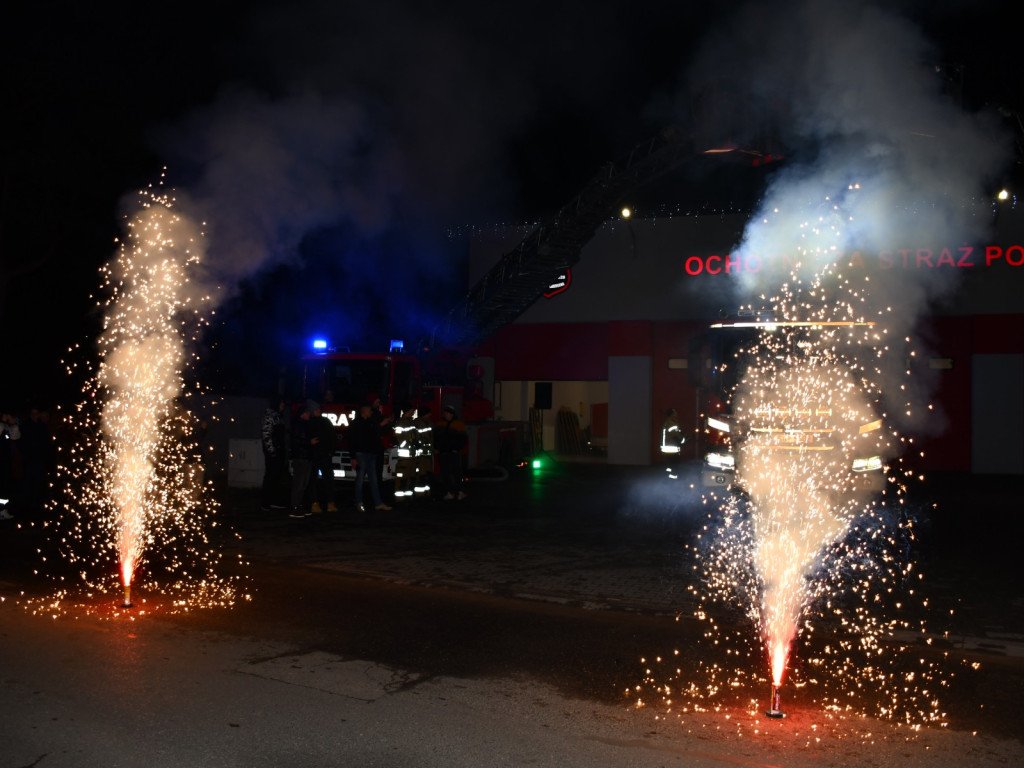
27,461
299,449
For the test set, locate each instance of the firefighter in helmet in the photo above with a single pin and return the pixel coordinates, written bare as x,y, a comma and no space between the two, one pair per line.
405,466
424,445
672,439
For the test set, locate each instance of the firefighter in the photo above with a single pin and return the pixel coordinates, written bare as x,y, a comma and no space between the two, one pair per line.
671,435
672,439
405,466
424,445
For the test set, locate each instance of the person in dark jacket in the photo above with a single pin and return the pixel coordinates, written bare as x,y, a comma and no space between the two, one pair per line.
450,441
302,462
365,444
10,432
276,482
324,443
37,460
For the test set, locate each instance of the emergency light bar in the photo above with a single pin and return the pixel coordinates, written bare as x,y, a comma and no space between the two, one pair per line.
319,345
719,424
771,325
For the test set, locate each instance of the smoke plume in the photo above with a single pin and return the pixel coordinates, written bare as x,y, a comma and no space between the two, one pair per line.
881,157
328,170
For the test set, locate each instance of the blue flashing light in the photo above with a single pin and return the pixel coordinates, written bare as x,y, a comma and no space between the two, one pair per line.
397,345
319,345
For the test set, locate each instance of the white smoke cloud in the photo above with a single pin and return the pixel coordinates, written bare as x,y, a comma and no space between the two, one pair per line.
272,170
880,155
854,92
880,158
373,118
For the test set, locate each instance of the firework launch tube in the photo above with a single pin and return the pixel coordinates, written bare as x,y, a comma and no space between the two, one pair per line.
776,710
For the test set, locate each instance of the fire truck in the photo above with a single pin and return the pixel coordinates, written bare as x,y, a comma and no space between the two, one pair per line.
776,395
342,381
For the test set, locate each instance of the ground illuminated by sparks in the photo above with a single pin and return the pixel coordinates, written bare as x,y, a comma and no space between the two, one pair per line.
136,522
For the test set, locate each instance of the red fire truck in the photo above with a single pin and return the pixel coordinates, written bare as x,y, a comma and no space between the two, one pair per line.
342,381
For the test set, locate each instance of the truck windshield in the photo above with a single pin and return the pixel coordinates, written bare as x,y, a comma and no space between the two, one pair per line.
348,382
730,349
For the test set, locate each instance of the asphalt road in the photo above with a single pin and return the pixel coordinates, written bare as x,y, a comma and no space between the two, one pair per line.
518,627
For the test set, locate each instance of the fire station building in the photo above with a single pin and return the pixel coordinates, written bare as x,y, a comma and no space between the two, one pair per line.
609,347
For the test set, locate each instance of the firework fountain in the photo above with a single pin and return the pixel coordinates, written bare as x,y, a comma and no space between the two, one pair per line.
815,556
806,436
142,352
816,534
135,483
810,441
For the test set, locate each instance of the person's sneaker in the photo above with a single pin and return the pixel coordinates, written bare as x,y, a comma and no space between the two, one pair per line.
317,508
278,506
5,515
296,513
448,497
332,507
382,508
461,495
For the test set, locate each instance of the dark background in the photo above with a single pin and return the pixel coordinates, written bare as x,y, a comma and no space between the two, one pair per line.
380,136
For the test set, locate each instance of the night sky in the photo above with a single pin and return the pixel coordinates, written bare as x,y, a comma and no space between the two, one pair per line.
332,147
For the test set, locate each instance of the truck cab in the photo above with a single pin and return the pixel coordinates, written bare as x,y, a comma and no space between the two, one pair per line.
342,381
785,397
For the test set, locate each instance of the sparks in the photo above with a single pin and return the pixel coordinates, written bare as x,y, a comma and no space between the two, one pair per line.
813,545
134,494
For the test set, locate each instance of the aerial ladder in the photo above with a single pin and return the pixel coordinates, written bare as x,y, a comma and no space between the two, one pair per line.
526,272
